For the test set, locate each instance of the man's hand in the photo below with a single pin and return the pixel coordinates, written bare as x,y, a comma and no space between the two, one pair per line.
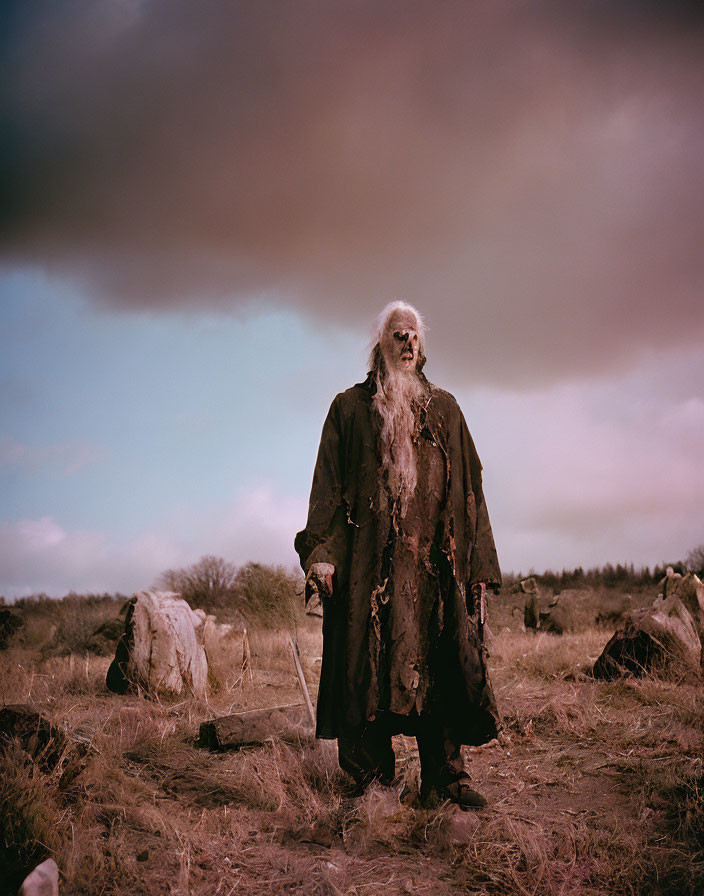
319,580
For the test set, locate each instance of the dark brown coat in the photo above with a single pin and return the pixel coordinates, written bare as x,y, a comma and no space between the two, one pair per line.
347,526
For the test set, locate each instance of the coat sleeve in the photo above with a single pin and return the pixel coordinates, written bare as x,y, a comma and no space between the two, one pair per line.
324,538
482,562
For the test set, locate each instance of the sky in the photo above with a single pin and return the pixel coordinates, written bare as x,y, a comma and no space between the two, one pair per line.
204,206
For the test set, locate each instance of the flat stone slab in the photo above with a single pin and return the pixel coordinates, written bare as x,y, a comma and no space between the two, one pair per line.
254,726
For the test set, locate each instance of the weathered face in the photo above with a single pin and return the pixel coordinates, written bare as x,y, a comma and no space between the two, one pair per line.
400,343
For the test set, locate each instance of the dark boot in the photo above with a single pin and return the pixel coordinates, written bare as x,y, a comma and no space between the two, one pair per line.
458,790
442,771
369,757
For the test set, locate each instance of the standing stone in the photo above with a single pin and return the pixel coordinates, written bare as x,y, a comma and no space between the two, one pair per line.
216,637
556,618
530,586
664,635
668,584
531,619
690,590
221,642
161,648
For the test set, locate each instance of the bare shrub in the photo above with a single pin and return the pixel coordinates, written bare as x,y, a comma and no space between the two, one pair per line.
695,560
208,583
268,596
77,618
63,626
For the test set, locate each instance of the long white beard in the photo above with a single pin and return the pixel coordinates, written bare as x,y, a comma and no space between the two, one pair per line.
398,398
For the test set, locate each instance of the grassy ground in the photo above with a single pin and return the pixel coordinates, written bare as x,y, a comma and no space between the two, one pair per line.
597,789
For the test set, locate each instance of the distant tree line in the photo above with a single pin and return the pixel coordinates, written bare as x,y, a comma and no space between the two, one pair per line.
609,576
273,594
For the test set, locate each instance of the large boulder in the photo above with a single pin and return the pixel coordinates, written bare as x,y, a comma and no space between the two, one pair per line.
690,590
161,648
314,606
557,618
664,636
544,611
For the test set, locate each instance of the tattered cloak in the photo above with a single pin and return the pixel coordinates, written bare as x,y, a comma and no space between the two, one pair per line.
401,632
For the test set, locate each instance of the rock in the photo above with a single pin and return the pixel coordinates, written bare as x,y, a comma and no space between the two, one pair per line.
531,619
254,726
42,740
652,639
668,584
222,643
215,636
538,613
43,881
160,649
557,619
10,622
530,586
690,590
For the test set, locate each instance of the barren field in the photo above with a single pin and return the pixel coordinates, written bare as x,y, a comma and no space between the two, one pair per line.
597,787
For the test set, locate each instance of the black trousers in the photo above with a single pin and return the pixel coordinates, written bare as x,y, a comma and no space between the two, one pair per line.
371,757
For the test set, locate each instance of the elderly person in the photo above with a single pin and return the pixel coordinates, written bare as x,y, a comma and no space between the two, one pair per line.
399,546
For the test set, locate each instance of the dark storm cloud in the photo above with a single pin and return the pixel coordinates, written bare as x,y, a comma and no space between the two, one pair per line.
530,175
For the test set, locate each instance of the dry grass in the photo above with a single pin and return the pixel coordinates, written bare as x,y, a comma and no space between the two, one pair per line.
597,789
546,656
65,626
29,832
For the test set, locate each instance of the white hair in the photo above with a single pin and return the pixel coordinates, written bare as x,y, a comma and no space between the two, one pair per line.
383,319
398,398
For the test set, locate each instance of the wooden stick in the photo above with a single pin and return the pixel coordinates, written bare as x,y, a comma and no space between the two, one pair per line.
246,659
301,678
